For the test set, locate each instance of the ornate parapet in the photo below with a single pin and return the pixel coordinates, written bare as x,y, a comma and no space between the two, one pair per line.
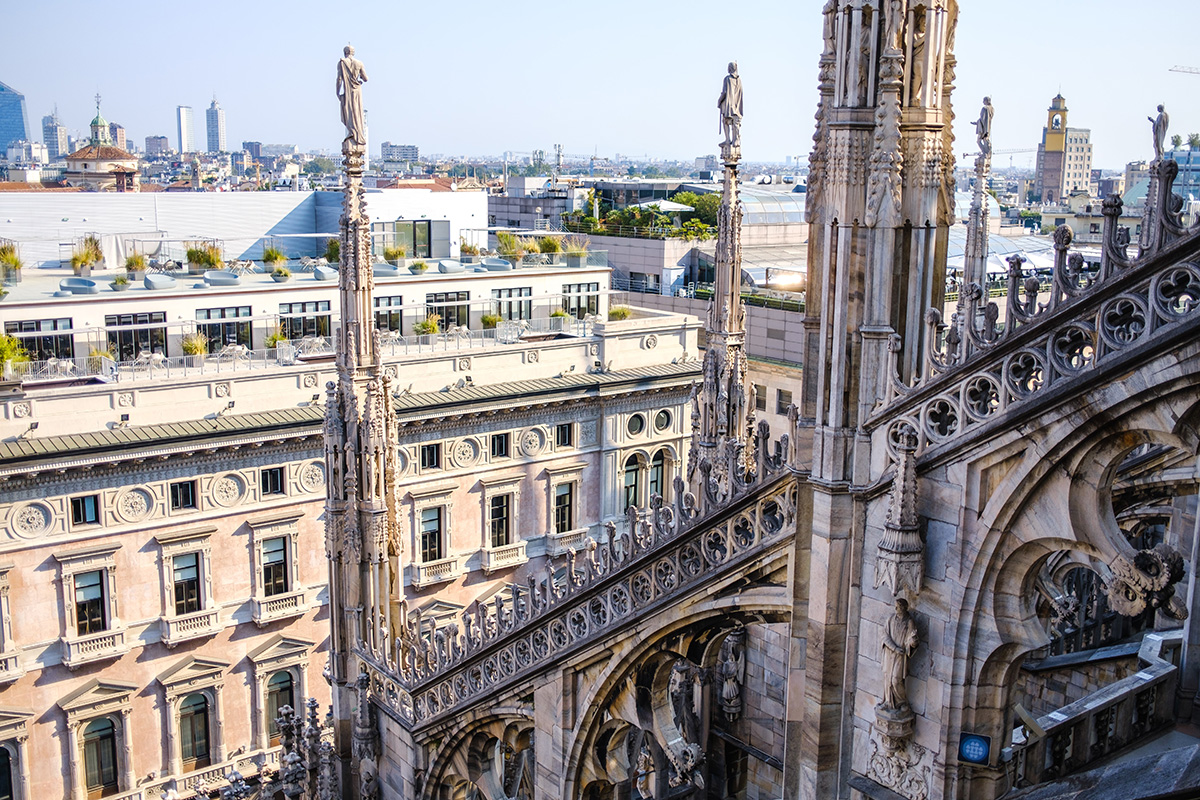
586,595
972,377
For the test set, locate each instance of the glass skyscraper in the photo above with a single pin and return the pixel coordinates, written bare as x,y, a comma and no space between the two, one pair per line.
14,122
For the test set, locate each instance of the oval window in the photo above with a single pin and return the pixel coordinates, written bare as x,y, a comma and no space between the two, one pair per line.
637,424
662,420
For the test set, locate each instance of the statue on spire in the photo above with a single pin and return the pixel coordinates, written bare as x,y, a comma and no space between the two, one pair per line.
730,103
350,77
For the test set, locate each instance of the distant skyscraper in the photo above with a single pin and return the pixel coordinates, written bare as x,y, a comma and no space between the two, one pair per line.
117,135
54,136
187,136
157,146
216,128
253,148
14,122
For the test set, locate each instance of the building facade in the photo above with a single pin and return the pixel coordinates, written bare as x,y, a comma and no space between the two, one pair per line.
400,152
157,146
185,130
215,126
1064,159
54,136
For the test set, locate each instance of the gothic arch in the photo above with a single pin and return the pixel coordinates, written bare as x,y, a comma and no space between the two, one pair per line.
719,616
1022,525
469,760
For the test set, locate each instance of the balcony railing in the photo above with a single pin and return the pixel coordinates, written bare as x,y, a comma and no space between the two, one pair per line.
279,606
1106,721
440,571
510,555
236,359
10,667
94,647
559,543
190,626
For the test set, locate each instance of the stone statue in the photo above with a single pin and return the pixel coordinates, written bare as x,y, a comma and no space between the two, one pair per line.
983,127
864,58
899,642
350,78
1160,124
730,103
643,772
732,670
918,60
683,689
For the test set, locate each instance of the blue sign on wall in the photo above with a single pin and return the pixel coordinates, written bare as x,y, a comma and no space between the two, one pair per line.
974,748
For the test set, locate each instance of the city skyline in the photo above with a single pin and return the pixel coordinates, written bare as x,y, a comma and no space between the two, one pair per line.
670,86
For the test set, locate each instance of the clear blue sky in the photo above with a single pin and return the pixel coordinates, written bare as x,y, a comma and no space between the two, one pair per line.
470,77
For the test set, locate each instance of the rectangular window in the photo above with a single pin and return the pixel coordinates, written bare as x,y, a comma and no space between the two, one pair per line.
186,569
272,480
49,344
131,335
431,534
564,516
183,495
85,510
581,299
89,603
387,313
564,435
760,397
431,456
499,445
508,307
452,307
783,400
274,556
224,326
498,515
297,320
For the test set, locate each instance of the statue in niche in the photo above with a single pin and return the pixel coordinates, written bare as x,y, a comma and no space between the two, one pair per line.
918,57
894,21
684,690
732,669
899,642
1159,125
350,78
983,127
643,772
864,57
730,103
828,34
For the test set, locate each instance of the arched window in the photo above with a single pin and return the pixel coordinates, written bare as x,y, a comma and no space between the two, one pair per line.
193,732
632,481
6,777
658,474
100,758
279,694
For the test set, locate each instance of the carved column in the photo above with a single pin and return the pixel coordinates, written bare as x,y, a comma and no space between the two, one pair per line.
75,748
725,419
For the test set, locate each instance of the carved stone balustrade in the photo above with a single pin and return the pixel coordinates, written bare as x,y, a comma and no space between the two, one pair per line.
1129,311
78,650
593,592
10,667
558,544
440,571
510,555
196,625
1105,721
279,606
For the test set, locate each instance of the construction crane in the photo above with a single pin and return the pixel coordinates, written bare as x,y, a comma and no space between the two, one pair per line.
1188,70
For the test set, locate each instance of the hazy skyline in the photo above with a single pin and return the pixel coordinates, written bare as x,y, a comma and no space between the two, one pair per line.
619,78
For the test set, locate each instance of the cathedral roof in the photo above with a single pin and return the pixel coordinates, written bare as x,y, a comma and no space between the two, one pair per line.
101,152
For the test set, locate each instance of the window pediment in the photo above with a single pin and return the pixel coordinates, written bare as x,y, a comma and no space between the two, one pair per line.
97,697
14,721
280,651
193,673
88,557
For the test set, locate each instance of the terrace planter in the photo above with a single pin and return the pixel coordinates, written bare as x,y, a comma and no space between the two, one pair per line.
119,287
280,278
